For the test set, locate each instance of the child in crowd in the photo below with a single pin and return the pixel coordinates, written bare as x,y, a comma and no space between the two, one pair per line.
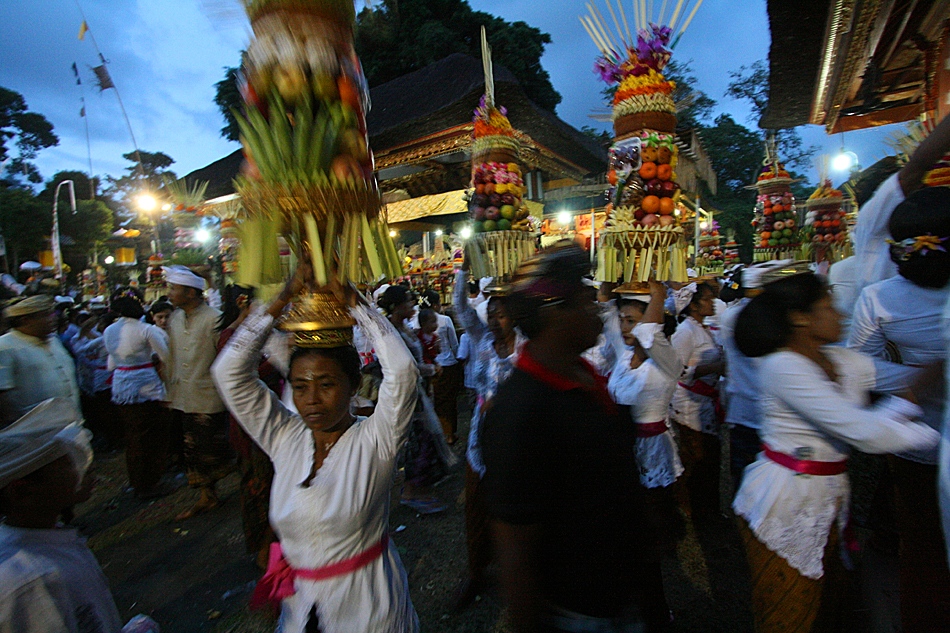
50,579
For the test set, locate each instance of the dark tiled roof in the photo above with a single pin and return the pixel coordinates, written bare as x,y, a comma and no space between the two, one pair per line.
798,31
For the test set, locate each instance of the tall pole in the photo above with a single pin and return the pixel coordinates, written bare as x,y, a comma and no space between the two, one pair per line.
57,253
696,231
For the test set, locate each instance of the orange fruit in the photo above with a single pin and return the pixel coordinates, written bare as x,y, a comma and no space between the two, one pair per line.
777,208
612,177
648,171
664,172
666,205
650,204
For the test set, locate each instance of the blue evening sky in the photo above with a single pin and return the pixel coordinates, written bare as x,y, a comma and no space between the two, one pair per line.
166,55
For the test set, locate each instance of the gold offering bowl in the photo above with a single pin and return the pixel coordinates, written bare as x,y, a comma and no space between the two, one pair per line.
318,319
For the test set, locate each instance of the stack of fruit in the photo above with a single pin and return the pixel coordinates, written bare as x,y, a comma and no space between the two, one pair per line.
497,204
775,220
730,253
228,246
504,235
710,254
309,169
642,237
826,221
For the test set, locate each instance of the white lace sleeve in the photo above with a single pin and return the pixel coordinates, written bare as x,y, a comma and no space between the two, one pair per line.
652,339
256,408
883,428
397,393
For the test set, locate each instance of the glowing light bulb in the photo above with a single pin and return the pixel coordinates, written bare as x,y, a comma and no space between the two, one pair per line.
466,232
202,235
393,232
438,232
564,218
109,259
146,202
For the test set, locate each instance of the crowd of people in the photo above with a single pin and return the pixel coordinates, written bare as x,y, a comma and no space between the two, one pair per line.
599,417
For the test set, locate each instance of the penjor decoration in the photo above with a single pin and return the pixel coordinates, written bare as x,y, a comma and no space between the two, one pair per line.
503,233
309,172
642,237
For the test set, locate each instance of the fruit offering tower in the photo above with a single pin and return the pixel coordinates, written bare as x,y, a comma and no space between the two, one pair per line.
826,223
308,169
642,236
710,257
503,234
775,221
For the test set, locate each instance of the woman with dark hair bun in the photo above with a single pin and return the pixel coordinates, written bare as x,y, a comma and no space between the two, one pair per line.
695,406
138,391
815,407
901,319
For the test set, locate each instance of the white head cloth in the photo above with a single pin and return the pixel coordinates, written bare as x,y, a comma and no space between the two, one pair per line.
752,276
683,296
49,431
379,292
183,277
483,283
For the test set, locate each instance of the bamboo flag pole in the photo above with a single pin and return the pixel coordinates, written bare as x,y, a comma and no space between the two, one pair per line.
626,26
676,13
613,16
602,22
598,31
487,68
595,35
690,18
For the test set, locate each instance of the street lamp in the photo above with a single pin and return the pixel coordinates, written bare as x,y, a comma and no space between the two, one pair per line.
146,202
844,161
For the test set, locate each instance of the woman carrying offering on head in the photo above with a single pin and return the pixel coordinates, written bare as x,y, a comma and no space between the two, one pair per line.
793,501
695,406
335,569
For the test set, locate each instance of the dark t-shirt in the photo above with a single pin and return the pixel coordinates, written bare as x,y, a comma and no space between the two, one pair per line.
561,456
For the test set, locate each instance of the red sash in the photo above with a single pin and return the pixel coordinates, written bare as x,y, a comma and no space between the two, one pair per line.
650,429
805,466
134,367
705,389
278,581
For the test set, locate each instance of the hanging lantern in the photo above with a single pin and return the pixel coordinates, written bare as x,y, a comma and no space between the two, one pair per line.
125,256
46,259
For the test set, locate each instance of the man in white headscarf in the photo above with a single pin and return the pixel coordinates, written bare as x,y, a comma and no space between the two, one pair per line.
34,365
193,338
50,580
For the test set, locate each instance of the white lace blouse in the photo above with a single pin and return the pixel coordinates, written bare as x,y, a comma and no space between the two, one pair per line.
807,416
647,390
345,509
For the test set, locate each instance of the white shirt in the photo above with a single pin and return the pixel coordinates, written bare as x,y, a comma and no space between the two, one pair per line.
448,341
943,463
741,388
131,343
909,317
345,509
31,371
807,416
193,341
647,390
871,251
842,276
465,354
52,584
695,346
93,358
